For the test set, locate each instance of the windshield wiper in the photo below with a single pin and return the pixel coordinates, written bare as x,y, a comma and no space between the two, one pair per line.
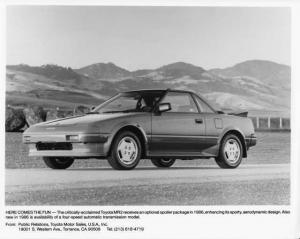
118,111
92,113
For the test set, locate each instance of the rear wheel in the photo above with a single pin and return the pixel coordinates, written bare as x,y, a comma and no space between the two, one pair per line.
231,152
126,151
163,163
58,162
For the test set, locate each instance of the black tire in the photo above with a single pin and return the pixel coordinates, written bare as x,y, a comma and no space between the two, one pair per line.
223,159
117,160
163,163
58,162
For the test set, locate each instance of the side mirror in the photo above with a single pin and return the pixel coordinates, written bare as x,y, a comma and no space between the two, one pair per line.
92,108
163,107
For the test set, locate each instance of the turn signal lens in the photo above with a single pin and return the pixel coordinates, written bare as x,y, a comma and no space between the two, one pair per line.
26,138
72,137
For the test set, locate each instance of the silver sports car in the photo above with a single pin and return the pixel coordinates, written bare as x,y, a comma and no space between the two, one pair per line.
160,125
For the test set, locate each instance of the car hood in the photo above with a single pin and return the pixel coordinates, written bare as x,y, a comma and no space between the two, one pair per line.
90,123
84,119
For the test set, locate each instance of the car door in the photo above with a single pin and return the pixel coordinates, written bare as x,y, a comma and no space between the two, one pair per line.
180,131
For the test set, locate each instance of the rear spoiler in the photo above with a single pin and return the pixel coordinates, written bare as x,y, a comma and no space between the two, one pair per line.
240,114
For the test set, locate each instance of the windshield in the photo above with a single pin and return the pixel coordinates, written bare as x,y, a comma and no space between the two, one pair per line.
129,102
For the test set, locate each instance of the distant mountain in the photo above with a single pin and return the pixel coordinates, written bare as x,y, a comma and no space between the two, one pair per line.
181,69
103,71
51,71
111,71
266,71
139,73
251,85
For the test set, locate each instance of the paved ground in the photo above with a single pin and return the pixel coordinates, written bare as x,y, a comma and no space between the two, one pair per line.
180,185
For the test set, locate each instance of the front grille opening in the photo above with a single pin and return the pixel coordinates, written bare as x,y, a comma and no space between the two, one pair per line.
54,146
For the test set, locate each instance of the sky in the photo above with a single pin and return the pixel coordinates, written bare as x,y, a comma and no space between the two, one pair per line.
146,37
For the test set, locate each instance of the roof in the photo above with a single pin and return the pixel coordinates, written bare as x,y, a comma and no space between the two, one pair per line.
157,90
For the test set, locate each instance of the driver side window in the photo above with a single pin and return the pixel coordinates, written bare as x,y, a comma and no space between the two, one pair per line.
180,102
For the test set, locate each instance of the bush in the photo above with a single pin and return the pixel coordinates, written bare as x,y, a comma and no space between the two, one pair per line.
14,119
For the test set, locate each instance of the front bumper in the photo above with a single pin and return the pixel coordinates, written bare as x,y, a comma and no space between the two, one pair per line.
84,145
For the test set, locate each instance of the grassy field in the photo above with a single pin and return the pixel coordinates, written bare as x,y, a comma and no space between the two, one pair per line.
272,147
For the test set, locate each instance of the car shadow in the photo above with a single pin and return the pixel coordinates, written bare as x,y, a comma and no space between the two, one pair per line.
144,169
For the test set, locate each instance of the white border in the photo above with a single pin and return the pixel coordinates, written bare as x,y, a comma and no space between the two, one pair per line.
208,226
295,113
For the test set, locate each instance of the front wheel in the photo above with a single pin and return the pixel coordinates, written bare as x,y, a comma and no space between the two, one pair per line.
58,162
231,152
163,163
126,151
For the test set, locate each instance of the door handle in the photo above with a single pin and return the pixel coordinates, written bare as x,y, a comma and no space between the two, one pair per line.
199,121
